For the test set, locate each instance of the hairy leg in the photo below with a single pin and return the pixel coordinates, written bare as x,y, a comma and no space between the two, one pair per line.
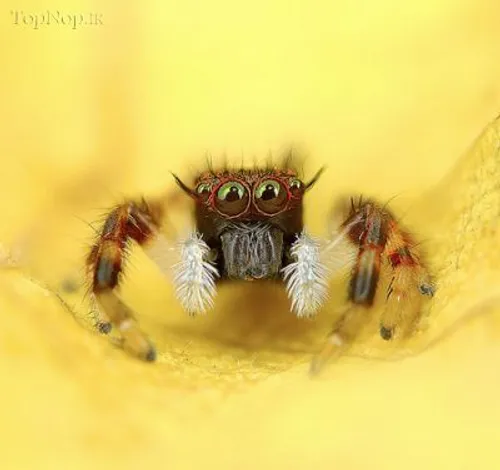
381,244
410,283
130,221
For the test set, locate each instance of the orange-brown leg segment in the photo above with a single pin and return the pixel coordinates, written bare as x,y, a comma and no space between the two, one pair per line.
410,282
131,221
381,243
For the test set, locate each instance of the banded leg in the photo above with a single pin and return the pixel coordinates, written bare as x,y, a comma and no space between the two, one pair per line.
366,227
131,221
381,243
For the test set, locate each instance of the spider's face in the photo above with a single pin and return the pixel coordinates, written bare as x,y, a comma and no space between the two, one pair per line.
249,218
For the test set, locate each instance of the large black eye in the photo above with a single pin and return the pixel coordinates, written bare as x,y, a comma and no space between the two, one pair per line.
270,197
232,198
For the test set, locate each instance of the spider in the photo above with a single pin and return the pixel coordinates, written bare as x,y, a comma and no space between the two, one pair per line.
249,226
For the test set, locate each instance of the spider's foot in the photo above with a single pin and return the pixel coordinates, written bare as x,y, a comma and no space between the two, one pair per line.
386,333
137,344
151,355
104,327
427,289
333,347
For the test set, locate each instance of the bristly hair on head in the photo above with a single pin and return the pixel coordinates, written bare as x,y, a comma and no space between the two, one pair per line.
315,178
295,159
209,162
291,159
184,186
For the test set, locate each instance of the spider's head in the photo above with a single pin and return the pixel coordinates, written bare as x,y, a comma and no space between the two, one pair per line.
249,217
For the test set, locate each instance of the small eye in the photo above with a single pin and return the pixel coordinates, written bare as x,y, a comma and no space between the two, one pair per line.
295,184
232,199
270,197
268,190
203,188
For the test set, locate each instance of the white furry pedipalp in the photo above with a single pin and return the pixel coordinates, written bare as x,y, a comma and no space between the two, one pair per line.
194,275
306,277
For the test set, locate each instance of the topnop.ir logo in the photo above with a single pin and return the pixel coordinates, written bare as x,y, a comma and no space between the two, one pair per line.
55,18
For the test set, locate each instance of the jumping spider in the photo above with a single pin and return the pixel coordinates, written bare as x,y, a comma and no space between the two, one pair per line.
249,226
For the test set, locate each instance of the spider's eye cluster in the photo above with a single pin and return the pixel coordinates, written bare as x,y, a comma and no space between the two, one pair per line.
232,198
270,197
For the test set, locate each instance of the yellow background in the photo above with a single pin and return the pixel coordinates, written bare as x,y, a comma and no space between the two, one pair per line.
389,95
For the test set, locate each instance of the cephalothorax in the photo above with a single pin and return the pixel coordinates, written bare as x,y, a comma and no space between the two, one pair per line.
249,226
249,219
